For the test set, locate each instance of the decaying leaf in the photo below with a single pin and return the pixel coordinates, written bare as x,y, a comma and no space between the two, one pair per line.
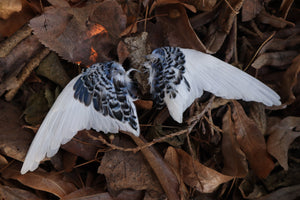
49,182
195,174
124,170
274,59
81,35
12,193
281,136
51,68
177,28
7,7
292,193
235,163
289,81
252,142
14,140
250,9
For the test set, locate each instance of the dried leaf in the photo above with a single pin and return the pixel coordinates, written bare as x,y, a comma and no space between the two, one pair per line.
124,170
84,193
282,134
196,175
177,28
3,161
84,145
59,3
52,69
274,59
158,3
81,35
36,109
11,193
292,192
250,9
14,141
274,21
7,7
203,5
235,163
12,64
251,142
49,182
289,81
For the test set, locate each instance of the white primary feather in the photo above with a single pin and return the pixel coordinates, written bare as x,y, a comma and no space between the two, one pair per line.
66,117
205,72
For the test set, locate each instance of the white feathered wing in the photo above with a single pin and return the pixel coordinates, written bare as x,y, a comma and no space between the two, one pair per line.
66,117
205,72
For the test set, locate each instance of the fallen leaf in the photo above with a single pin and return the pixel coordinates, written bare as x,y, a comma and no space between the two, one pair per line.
14,140
250,9
84,193
291,193
81,35
252,142
235,163
274,59
289,81
7,7
50,182
12,64
285,7
195,174
83,145
272,20
124,170
177,28
52,69
11,193
3,161
36,108
282,134
218,30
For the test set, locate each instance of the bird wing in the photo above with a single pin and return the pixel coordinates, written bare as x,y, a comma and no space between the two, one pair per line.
202,72
90,100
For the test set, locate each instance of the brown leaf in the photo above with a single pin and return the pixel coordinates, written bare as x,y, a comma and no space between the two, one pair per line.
128,170
52,69
144,104
289,81
218,31
11,193
274,59
84,192
282,134
291,192
83,145
196,175
272,20
12,64
158,3
250,9
50,182
81,35
235,163
14,141
177,28
285,7
59,3
7,7
252,142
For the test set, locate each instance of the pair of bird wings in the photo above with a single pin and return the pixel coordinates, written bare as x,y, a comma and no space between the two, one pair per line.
101,97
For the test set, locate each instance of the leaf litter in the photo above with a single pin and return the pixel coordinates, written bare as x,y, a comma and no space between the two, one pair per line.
227,149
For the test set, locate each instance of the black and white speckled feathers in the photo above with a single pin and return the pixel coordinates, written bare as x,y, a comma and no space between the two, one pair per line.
178,76
99,98
166,73
106,86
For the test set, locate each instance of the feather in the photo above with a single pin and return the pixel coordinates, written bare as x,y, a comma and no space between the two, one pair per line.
98,99
178,76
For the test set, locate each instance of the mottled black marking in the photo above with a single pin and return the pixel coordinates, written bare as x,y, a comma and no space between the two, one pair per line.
104,86
168,69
